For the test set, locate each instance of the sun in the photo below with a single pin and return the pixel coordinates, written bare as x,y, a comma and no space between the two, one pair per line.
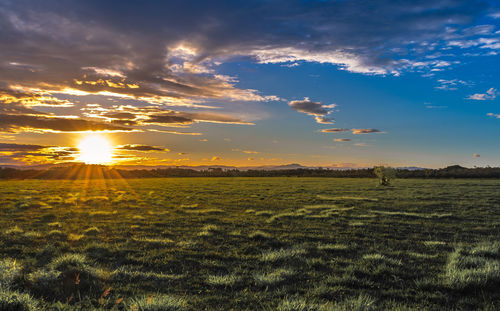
95,149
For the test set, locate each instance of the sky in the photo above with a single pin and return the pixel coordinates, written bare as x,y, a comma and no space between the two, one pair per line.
250,83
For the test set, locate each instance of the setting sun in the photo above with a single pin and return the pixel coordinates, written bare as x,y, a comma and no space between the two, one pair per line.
95,149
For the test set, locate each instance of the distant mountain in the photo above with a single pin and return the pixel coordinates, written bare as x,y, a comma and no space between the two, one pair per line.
411,168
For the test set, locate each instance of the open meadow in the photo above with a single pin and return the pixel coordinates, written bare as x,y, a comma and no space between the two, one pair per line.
250,244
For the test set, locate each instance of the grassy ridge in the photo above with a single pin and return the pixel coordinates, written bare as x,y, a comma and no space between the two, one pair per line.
249,244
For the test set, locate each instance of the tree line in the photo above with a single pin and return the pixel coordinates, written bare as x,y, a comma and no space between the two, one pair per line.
82,171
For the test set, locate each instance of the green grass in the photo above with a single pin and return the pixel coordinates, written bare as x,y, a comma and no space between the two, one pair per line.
249,244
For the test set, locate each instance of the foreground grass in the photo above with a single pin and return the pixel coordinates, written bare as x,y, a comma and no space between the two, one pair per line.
249,244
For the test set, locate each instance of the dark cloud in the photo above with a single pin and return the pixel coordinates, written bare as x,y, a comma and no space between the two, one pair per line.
153,115
354,131
141,148
335,130
341,139
365,131
120,115
168,119
37,123
316,109
20,147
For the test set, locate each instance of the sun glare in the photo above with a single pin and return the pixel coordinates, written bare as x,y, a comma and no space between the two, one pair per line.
95,149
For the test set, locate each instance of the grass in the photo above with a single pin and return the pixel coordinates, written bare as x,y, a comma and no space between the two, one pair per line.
225,280
295,252
274,277
15,301
474,267
9,271
164,244
158,302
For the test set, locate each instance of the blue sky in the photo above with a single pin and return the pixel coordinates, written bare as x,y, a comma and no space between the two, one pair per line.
321,83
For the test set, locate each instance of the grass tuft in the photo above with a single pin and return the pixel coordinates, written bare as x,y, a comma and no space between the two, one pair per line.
159,302
92,231
283,254
227,280
9,271
274,277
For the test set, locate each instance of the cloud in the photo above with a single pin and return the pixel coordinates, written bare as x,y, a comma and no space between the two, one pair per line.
39,123
9,95
431,106
365,131
341,139
489,95
215,158
154,115
20,147
140,148
354,131
316,109
335,130
11,153
450,85
246,151
476,155
493,115
175,132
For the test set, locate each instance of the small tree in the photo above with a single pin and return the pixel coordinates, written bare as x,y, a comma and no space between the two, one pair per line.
385,174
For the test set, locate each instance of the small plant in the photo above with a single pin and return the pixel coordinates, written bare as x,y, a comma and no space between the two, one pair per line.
385,174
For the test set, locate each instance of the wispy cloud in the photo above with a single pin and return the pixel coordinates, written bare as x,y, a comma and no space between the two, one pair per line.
138,147
489,95
335,130
354,131
450,85
431,106
493,115
341,139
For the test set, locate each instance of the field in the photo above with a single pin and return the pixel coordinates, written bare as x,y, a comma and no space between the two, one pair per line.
250,244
